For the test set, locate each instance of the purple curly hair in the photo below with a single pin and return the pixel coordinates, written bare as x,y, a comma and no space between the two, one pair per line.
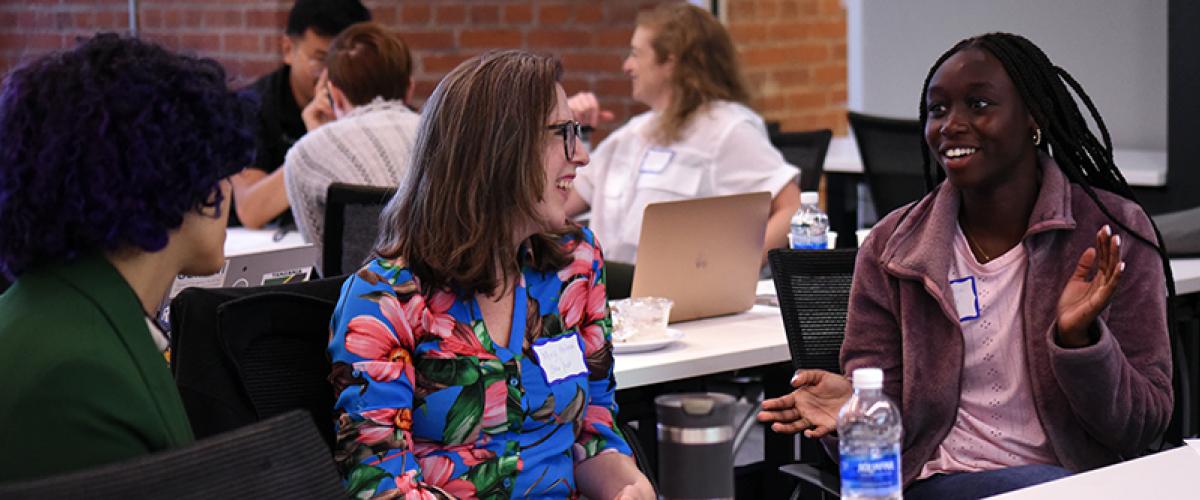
109,145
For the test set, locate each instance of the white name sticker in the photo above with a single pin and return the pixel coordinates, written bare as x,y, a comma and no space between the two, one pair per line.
966,299
656,160
561,358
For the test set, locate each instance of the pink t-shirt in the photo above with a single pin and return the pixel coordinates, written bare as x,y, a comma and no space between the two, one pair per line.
997,425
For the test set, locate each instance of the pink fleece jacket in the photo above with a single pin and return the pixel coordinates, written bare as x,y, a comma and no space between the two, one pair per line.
1098,404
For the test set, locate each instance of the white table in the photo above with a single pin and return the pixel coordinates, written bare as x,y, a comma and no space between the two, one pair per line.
1187,275
1140,167
713,345
240,241
755,338
1167,475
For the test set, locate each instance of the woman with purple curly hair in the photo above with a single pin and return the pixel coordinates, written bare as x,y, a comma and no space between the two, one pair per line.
113,164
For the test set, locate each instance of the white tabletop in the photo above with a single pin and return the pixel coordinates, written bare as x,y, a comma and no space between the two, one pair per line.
1187,275
1167,475
713,345
753,338
756,337
240,241
1140,167
842,156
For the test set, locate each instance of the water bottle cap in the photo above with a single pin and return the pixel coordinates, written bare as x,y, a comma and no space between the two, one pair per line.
810,198
868,378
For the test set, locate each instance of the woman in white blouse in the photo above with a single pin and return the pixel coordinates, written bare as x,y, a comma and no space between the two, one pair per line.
699,139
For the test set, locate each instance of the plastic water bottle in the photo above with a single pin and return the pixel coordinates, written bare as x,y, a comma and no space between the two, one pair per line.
809,224
869,431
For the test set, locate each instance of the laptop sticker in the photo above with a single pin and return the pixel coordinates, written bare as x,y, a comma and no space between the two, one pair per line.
656,160
966,298
287,276
211,281
561,357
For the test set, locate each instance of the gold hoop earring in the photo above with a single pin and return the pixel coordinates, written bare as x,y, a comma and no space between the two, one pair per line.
1037,137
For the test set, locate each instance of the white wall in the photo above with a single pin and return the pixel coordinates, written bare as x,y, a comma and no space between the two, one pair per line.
1116,49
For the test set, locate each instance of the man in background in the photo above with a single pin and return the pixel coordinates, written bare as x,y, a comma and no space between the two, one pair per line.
369,85
258,191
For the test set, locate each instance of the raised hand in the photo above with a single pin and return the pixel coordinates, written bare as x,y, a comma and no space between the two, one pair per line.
587,109
812,407
1083,299
319,111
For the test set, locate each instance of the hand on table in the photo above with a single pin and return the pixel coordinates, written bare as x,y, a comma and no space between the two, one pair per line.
319,111
812,407
1083,299
587,109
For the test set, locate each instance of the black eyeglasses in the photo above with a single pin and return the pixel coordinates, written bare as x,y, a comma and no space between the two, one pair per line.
569,130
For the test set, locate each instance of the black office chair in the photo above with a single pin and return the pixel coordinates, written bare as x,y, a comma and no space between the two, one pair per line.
241,355
805,150
813,287
282,457
1180,232
351,225
891,157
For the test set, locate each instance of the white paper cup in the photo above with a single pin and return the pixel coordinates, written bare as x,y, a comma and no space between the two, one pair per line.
861,234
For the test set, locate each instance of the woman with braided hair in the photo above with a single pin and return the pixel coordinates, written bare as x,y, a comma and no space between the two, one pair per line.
1019,309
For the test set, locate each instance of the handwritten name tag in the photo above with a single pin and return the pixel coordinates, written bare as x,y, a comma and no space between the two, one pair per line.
561,358
656,160
966,299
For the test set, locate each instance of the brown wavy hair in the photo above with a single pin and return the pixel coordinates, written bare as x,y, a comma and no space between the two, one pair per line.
365,62
706,65
476,175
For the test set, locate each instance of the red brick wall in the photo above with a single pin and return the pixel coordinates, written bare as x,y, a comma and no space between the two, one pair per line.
793,51
794,56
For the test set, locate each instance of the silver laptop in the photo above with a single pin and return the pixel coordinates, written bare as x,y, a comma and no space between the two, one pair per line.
266,267
704,253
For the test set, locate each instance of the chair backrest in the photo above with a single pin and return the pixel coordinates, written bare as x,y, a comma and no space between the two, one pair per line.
813,287
241,355
891,158
1180,233
351,225
805,150
278,458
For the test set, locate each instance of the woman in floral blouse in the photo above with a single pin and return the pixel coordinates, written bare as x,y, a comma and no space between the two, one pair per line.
473,357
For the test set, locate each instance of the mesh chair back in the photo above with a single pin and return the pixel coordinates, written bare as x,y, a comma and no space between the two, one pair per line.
813,287
277,341
805,150
241,355
278,458
891,158
351,225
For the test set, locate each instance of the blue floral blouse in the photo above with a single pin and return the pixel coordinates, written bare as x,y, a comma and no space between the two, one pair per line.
428,404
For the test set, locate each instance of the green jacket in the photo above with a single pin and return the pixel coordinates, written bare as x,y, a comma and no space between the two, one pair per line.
81,381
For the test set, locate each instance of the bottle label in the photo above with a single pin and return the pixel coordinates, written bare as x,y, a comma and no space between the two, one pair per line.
798,245
871,474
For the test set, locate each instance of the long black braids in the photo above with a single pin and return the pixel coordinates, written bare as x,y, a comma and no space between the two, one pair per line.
1084,159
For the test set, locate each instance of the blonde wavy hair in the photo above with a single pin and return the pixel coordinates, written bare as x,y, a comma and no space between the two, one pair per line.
706,65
